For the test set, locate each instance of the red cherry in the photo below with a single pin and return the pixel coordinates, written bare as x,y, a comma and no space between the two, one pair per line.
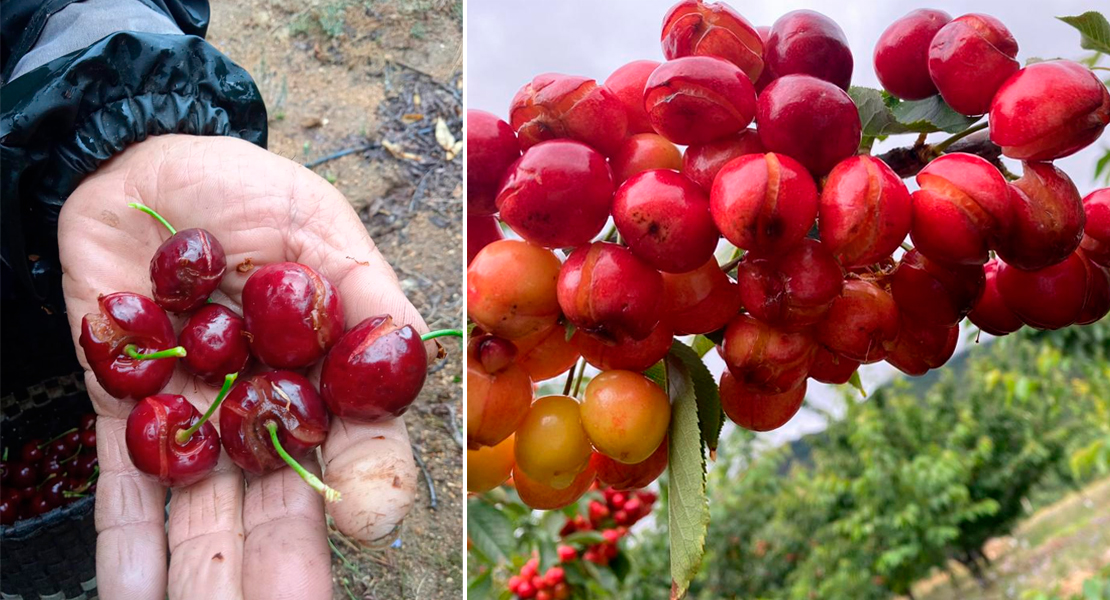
491,147
809,120
375,371
23,475
276,405
697,28
805,42
1048,298
765,202
1049,110
791,289
215,342
700,301
157,445
702,162
1096,238
38,505
31,452
88,438
566,553
52,491
699,99
829,367
554,106
129,345
920,347
627,83
9,512
865,211
934,293
186,268
85,464
481,231
990,313
605,290
766,359
1097,303
664,218
619,476
1048,219
88,421
293,314
757,411
902,54
969,59
558,194
861,321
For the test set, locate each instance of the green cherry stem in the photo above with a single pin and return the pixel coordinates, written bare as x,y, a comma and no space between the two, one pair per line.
941,147
150,211
56,438
330,494
133,351
431,335
183,435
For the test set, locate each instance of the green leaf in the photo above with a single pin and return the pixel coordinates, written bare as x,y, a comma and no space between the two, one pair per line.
490,530
855,382
658,374
702,345
621,566
1102,168
706,393
931,114
1094,29
882,114
570,330
689,507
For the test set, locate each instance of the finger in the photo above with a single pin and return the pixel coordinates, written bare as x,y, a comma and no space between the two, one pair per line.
372,466
286,554
130,514
206,536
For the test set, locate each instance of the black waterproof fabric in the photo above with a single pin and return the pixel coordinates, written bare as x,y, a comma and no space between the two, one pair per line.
59,122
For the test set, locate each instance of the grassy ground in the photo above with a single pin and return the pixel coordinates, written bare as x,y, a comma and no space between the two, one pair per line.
1055,550
378,75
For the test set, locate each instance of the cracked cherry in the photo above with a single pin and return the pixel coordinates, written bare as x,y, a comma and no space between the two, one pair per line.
606,290
861,322
935,293
697,28
764,202
865,211
375,371
129,345
765,359
274,419
1096,233
702,162
293,314
969,59
1048,219
186,268
215,342
554,106
791,289
699,99
167,440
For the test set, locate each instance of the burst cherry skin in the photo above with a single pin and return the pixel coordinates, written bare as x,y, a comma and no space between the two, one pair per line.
151,434
792,289
810,120
216,344
554,106
605,290
128,318
765,359
865,211
697,28
962,209
186,269
558,194
664,218
294,315
1048,219
763,202
375,371
491,147
698,99
806,42
862,321
758,411
281,397
969,59
1049,110
902,54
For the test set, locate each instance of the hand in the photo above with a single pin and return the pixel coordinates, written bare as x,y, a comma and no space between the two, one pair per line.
267,539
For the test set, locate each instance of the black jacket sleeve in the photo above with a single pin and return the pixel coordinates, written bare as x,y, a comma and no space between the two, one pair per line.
60,121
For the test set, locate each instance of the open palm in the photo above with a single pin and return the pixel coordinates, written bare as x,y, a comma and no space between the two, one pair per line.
229,537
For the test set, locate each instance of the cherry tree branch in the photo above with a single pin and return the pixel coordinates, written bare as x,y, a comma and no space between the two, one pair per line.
908,161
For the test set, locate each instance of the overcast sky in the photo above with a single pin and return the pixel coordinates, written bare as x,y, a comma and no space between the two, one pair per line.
509,42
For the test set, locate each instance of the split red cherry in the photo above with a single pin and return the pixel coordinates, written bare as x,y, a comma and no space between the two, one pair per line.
274,419
215,342
697,28
605,290
376,370
764,202
969,59
129,345
1096,233
293,314
186,268
168,439
699,99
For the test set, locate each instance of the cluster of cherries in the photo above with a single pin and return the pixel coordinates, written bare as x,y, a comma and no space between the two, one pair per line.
818,290
529,583
292,318
48,474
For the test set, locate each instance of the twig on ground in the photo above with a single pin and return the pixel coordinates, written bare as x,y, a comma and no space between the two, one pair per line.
341,154
427,477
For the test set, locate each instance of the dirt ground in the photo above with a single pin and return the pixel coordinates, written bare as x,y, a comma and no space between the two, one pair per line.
377,75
